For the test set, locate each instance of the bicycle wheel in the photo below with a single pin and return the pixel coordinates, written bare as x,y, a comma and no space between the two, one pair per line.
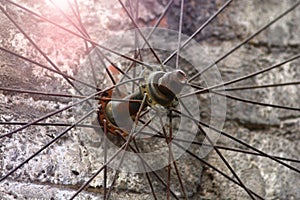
149,99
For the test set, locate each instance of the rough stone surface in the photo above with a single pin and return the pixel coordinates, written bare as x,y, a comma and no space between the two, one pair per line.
63,167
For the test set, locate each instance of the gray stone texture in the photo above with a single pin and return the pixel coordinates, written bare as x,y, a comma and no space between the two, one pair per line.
61,169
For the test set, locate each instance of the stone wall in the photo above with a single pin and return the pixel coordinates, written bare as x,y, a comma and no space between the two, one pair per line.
62,168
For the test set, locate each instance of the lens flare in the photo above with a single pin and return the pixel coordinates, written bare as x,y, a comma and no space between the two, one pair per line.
62,4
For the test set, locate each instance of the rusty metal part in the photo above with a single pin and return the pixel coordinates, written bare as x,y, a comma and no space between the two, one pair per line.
102,115
161,88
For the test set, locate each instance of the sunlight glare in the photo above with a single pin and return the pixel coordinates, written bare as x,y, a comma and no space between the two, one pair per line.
62,4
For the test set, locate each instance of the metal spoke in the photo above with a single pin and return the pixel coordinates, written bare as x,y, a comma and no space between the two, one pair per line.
108,161
152,31
47,145
80,36
170,153
85,33
134,12
202,160
147,173
37,48
142,35
48,68
217,170
221,147
256,103
247,87
146,164
99,53
246,40
12,123
48,115
248,101
41,93
62,109
240,142
169,140
242,78
69,19
198,30
130,137
152,170
114,65
163,14
218,152
179,34
116,154
226,162
105,159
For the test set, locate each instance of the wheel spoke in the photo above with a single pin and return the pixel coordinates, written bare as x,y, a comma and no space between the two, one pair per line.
48,115
146,164
117,153
99,53
247,100
12,123
218,152
151,32
98,171
81,29
240,142
179,34
105,159
216,170
241,78
80,36
247,87
48,68
130,137
256,103
246,40
63,109
169,140
170,154
226,162
46,146
147,174
200,159
199,30
38,49
160,18
41,93
137,53
221,147
142,35
163,14
78,16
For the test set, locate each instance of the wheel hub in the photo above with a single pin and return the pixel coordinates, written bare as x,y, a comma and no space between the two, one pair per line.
160,88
